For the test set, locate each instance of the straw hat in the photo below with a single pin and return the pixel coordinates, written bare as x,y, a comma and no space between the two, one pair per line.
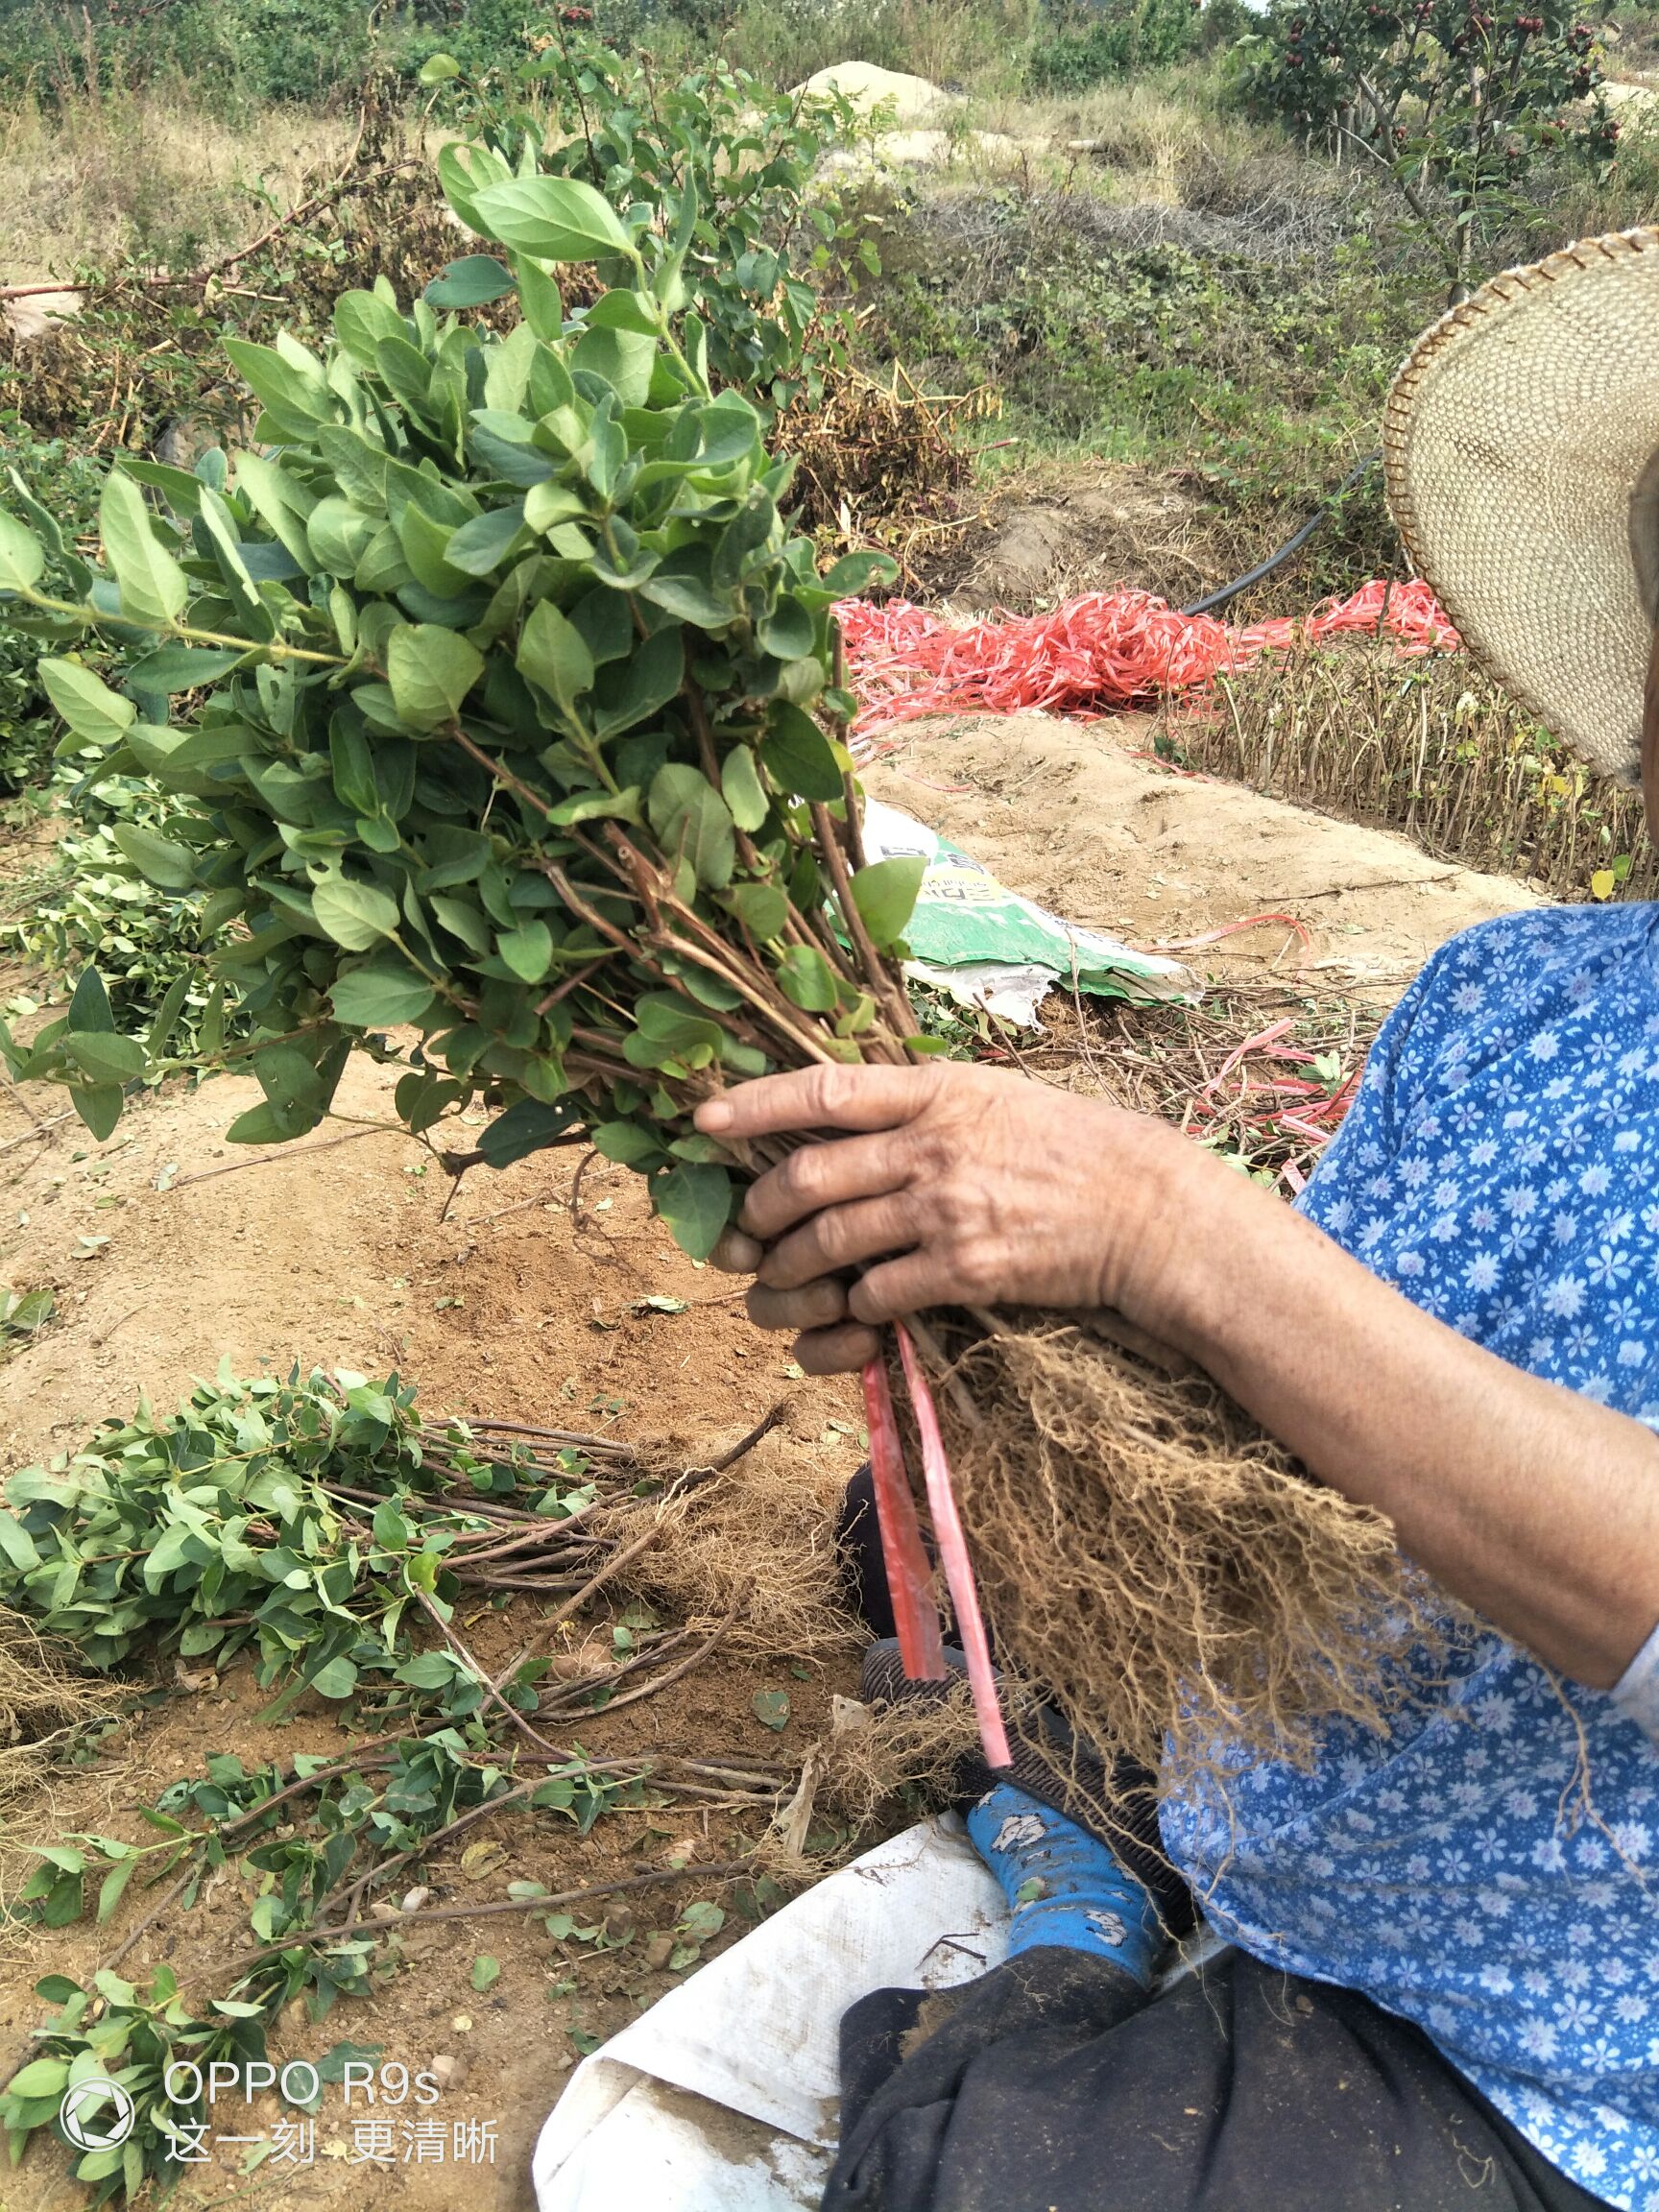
1521,441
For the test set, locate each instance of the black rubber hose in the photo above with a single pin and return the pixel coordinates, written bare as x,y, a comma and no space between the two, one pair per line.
1290,545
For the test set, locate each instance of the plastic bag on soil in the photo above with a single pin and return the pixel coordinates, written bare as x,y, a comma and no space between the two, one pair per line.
988,947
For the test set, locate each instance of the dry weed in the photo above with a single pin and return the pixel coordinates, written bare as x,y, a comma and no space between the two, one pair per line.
144,176
1431,747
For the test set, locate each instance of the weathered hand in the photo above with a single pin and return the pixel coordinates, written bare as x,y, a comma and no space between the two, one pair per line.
950,1185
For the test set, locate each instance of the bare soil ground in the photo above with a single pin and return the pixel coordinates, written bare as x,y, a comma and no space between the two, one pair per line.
1086,819
169,1250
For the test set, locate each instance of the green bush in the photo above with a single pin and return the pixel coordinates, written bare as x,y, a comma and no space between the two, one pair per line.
769,235
65,482
1459,103
1082,46
151,946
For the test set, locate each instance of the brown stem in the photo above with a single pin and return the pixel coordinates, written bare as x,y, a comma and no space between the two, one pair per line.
889,993
490,1690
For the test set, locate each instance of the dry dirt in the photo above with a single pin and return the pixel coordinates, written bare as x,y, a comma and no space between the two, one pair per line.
1048,535
1084,818
517,1306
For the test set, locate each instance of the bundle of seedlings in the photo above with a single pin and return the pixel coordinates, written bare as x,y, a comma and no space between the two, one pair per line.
510,714
319,1525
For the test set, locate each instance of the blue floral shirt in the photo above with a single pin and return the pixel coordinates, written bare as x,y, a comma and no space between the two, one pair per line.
1484,1869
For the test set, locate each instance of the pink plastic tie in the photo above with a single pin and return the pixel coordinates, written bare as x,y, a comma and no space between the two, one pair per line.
953,1553
909,1577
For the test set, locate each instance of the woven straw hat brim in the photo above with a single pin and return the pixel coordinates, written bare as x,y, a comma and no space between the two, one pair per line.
1520,442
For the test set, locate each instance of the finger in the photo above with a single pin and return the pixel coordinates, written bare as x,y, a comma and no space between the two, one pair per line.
820,1175
841,1351
900,1288
819,1305
842,1237
737,1254
822,1097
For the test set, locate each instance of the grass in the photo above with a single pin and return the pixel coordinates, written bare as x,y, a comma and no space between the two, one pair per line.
151,176
1431,747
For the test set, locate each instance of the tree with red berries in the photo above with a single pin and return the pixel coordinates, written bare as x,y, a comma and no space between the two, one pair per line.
1455,99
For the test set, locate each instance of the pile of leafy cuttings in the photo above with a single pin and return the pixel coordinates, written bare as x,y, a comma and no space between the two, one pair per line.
315,1527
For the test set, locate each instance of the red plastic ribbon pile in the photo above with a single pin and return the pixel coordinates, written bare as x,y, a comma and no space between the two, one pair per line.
1102,653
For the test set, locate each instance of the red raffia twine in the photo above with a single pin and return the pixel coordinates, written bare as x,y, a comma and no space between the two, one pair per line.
909,1578
916,1615
1100,654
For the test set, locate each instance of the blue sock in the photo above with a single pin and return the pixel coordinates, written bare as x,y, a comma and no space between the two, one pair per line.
1063,1885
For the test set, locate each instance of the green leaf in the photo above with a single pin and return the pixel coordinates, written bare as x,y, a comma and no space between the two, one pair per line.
437,69
623,359
798,756
89,1005
627,1144
885,894
167,1016
91,710
391,1529
16,1543
643,685
105,1059
465,170
693,823
808,979
337,1679
380,995
22,557
170,866
486,1972
473,281
430,670
529,1126
528,950
555,218
554,656
151,585
99,1106
854,573
741,789
296,400
479,547
355,915
40,2078
760,907
172,668
112,1886
771,1708
694,1205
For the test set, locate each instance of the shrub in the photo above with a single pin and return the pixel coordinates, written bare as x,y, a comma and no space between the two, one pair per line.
768,234
1080,46
1453,99
66,483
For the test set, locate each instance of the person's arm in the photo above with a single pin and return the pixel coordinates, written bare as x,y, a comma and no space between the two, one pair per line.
958,1185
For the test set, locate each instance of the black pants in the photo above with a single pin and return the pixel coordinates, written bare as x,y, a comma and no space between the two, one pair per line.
1054,2084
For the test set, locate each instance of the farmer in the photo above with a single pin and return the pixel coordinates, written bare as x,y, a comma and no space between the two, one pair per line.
1444,1989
